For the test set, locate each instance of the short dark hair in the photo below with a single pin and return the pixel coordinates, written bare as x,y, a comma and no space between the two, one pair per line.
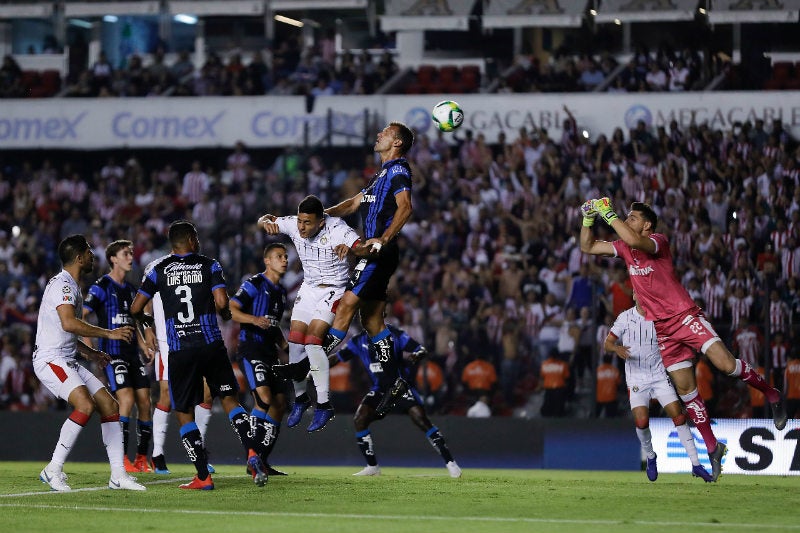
114,248
648,213
311,205
181,232
273,246
71,247
405,135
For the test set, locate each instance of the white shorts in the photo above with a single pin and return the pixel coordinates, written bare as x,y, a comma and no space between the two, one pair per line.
160,361
662,390
62,375
316,303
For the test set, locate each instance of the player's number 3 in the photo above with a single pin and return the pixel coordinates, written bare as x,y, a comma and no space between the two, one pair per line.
186,297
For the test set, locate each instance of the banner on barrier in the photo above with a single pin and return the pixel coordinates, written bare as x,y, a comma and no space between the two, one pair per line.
283,120
754,447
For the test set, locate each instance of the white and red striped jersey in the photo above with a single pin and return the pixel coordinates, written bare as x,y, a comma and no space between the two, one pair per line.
533,316
790,263
195,185
780,354
714,296
779,316
779,239
740,309
747,342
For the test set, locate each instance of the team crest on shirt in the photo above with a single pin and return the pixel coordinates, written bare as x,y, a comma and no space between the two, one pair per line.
636,388
65,289
323,240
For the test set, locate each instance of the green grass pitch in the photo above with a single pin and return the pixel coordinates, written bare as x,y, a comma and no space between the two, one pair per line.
328,499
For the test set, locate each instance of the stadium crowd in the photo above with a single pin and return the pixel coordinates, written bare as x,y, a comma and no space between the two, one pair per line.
492,279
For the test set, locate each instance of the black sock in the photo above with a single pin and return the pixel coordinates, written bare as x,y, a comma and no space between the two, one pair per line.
144,432
326,405
364,440
276,430
126,423
240,421
193,443
437,441
303,398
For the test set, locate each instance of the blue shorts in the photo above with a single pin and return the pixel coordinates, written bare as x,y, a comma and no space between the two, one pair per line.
370,278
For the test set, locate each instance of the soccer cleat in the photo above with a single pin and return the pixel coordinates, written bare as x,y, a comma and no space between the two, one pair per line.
294,371
141,464
454,469
159,465
125,482
389,399
260,476
272,471
199,484
297,413
321,417
56,480
129,467
716,460
369,471
652,468
702,473
779,416
211,469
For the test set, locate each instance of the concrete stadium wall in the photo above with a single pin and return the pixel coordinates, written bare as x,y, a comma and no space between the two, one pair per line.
476,443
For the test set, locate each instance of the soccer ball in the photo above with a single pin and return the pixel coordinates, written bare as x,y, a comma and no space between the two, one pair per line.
447,115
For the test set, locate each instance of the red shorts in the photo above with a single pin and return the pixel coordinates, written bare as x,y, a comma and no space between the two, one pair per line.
680,336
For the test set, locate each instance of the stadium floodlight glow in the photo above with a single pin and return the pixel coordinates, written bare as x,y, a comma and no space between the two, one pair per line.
593,12
185,19
290,21
81,23
15,231
110,18
702,11
585,134
618,22
734,215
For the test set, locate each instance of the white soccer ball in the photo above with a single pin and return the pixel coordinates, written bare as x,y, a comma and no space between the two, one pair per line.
447,115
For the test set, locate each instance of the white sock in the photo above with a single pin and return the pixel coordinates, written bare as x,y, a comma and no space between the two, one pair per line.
202,415
112,438
160,424
66,440
685,435
320,371
297,352
647,441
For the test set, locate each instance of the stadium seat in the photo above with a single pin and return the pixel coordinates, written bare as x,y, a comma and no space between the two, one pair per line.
51,81
426,74
30,78
470,78
782,70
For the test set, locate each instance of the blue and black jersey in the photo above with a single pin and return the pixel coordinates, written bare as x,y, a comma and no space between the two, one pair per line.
186,283
378,205
258,296
111,302
358,347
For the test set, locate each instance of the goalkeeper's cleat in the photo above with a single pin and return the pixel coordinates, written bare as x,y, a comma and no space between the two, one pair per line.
397,390
129,466
199,484
716,460
779,416
321,417
652,468
56,480
125,482
453,469
160,465
297,413
257,470
374,470
702,473
294,371
141,464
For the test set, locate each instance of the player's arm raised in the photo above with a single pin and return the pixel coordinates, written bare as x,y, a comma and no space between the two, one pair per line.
590,245
633,239
345,208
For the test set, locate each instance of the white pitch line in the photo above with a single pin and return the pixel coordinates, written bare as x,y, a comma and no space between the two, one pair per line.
648,523
93,489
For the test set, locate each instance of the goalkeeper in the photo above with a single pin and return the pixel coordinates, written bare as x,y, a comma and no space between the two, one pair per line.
680,324
392,387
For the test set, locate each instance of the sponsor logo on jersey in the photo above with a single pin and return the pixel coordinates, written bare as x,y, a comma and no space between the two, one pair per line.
368,199
638,271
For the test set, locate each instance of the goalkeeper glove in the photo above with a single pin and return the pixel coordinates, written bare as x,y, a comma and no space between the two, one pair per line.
588,212
605,210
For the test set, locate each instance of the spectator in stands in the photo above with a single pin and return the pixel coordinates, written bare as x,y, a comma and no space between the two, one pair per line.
553,376
608,382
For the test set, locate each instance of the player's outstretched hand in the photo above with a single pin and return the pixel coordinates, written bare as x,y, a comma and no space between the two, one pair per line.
124,333
605,210
267,223
418,356
588,212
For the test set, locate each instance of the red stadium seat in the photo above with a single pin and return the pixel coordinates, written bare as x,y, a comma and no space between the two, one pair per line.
782,70
426,74
51,81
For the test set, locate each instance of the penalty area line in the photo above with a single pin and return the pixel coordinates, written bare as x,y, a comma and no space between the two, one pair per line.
487,519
